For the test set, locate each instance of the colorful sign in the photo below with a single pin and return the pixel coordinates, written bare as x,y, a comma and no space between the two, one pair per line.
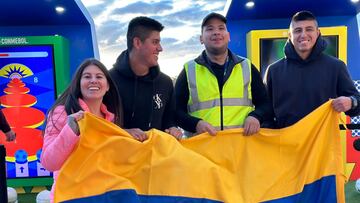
28,90
33,71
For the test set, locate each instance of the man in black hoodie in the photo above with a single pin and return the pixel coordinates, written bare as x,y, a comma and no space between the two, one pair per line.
306,77
147,93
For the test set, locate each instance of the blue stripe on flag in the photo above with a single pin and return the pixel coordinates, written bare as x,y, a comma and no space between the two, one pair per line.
130,196
323,190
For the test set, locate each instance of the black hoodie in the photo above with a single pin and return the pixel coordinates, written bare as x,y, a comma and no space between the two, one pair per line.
297,87
147,100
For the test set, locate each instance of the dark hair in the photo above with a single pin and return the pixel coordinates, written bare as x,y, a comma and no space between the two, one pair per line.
69,98
303,15
141,27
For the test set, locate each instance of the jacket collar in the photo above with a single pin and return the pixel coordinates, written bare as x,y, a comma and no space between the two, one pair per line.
203,60
319,47
108,115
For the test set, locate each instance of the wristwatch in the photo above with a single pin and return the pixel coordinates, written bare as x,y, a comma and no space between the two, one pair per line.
354,102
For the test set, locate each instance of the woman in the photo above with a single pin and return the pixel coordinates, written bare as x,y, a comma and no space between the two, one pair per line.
91,90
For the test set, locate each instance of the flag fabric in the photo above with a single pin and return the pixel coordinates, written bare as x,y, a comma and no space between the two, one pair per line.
300,163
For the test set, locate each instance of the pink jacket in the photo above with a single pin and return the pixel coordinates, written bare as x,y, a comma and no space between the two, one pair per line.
60,140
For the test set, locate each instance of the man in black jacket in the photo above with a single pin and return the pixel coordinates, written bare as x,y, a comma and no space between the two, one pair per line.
220,90
306,78
146,92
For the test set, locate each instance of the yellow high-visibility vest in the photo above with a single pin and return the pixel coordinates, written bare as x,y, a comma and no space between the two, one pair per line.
205,101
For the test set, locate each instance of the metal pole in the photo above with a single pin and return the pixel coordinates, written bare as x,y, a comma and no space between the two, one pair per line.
3,186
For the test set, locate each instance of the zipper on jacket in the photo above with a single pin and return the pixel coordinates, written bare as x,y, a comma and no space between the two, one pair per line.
152,105
134,96
226,67
221,111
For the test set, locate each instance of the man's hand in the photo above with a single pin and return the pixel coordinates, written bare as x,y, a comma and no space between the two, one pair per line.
137,133
251,125
174,131
203,126
10,136
341,104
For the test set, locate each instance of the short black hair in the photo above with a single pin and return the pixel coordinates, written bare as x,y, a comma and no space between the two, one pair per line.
303,15
141,27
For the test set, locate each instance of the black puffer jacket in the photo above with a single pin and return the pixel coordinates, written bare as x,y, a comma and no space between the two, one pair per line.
297,87
147,100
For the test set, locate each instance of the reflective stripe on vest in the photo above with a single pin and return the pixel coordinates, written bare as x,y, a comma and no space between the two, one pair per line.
204,95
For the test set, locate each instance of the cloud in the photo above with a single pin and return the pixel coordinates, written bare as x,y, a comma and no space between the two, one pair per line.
186,15
180,38
181,18
191,45
109,32
144,8
96,10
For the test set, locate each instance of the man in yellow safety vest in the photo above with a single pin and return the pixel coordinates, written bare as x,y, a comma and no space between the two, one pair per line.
220,90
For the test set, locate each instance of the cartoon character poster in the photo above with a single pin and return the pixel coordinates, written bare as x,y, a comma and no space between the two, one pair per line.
27,91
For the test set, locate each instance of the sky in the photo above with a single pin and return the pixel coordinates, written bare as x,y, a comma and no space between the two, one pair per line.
179,39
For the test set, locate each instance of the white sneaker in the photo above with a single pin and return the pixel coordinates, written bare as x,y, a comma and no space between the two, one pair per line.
43,197
12,195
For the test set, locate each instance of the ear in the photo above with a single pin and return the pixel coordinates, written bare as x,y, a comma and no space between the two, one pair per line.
201,39
289,35
136,42
229,36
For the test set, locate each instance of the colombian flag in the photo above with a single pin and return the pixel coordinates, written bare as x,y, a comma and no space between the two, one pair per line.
301,163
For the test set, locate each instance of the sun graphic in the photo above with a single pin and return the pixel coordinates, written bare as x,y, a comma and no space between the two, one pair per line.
15,70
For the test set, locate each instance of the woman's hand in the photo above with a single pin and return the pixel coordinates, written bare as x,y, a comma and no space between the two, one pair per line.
73,119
